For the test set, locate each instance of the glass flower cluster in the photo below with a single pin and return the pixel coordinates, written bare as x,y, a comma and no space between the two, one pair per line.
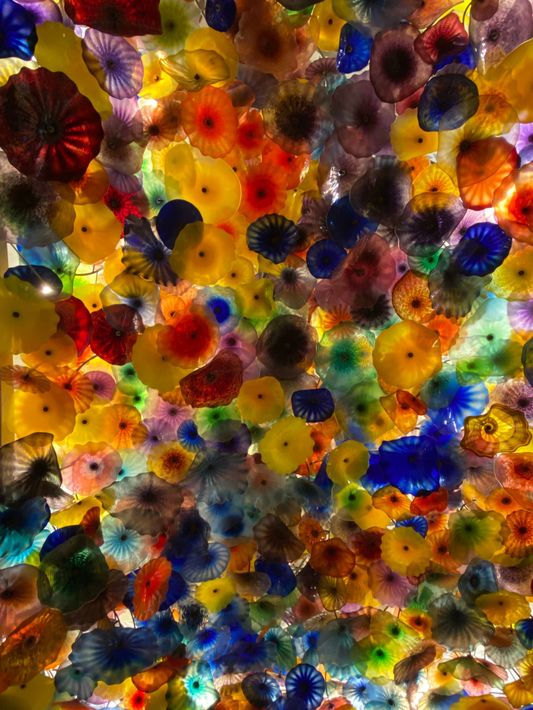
266,354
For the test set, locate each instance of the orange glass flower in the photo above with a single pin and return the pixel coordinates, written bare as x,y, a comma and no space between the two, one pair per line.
150,587
513,204
263,191
411,299
481,168
407,354
210,121
332,558
519,540
501,429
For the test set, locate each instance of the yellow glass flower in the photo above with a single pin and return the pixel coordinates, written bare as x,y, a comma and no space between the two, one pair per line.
286,445
210,40
240,271
513,280
58,351
355,503
95,234
408,139
178,168
51,411
170,461
154,368
434,179
261,400
216,190
474,533
86,426
348,462
202,253
156,83
75,513
255,299
215,594
329,26
59,49
28,319
405,551
407,354
503,608
196,69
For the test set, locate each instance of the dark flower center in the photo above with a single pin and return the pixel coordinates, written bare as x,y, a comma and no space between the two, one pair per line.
397,65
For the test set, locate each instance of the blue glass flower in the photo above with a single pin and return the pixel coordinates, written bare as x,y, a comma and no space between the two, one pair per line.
206,565
305,683
145,255
112,655
483,247
324,257
448,101
478,578
57,537
210,642
173,217
418,523
18,36
188,436
166,631
466,58
409,463
220,14
314,405
177,593
355,44
524,631
75,681
280,574
273,236
260,689
20,524
122,544
345,225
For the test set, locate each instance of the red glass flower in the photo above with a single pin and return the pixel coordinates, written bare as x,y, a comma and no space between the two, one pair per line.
115,330
215,384
75,320
48,130
129,18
